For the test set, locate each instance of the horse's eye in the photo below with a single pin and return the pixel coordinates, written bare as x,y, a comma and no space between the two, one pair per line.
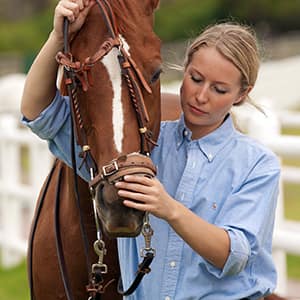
156,75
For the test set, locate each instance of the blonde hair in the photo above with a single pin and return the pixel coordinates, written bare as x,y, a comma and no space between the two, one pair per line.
235,42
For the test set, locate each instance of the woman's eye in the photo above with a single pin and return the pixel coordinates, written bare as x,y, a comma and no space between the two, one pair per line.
220,91
196,79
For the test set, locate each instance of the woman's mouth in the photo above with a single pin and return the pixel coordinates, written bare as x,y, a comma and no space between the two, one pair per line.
197,110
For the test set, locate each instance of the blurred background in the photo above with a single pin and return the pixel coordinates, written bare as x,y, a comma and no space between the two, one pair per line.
25,25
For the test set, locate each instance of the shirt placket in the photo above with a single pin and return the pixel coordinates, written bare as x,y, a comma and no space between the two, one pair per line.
184,194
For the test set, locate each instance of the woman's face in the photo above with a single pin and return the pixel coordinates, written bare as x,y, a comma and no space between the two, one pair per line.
211,85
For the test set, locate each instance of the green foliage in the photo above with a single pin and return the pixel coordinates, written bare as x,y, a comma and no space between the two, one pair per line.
179,19
25,36
183,19
277,15
174,20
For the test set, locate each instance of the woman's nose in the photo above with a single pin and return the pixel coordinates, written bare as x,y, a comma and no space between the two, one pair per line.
202,93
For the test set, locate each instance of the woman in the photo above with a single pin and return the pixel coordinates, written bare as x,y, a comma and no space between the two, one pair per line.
213,202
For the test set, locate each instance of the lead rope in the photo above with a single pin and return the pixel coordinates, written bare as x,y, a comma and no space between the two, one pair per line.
95,287
147,253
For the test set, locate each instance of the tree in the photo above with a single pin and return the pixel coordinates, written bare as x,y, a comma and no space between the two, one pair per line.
12,10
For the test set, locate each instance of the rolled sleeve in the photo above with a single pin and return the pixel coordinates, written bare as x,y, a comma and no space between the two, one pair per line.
51,119
249,221
54,125
239,255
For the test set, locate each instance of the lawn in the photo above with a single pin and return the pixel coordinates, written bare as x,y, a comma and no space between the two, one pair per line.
292,208
13,283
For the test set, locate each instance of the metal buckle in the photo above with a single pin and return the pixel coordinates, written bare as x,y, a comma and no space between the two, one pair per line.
110,169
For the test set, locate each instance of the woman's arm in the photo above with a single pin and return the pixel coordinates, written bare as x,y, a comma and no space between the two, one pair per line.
40,85
210,241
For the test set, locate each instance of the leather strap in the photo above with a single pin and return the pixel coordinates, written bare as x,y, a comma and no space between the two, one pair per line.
133,163
142,271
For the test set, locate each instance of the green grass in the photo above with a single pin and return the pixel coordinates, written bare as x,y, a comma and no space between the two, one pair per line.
292,201
293,266
291,191
14,284
292,207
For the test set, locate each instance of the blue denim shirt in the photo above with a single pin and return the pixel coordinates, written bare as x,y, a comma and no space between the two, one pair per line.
226,178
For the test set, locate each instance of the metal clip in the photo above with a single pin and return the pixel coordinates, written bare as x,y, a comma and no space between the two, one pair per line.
147,232
100,250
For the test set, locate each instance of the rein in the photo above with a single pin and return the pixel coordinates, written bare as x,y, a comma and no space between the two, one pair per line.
77,74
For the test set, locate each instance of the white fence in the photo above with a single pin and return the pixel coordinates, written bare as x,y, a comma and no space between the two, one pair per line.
25,162
287,233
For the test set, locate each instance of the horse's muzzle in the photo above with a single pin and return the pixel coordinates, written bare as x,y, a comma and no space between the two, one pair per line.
118,220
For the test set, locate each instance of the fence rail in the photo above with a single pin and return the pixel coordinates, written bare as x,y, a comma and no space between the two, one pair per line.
25,161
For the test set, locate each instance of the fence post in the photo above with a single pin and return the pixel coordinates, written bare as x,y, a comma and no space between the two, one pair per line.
11,210
264,128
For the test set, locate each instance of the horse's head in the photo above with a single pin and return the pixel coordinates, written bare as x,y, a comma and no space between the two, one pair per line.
120,110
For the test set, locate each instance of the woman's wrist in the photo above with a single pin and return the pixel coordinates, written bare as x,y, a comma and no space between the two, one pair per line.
174,212
57,41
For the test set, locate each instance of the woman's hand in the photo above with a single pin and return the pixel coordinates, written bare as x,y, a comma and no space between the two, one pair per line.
209,241
75,10
147,194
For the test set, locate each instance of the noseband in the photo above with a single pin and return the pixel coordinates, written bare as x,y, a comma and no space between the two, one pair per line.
78,74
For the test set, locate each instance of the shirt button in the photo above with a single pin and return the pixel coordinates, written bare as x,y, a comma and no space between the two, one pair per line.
185,133
210,156
172,264
167,298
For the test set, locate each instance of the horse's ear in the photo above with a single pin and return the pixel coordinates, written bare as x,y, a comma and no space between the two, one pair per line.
154,3
151,6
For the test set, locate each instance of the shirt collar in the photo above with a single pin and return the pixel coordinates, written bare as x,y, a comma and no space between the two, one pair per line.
210,144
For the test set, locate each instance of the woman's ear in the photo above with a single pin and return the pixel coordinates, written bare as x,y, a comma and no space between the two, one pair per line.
243,95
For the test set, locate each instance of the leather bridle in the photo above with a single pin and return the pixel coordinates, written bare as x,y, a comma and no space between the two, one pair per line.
78,74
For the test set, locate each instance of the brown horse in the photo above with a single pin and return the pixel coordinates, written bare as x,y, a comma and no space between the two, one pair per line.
113,83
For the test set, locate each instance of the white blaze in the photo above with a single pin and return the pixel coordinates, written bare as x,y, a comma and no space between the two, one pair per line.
111,63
